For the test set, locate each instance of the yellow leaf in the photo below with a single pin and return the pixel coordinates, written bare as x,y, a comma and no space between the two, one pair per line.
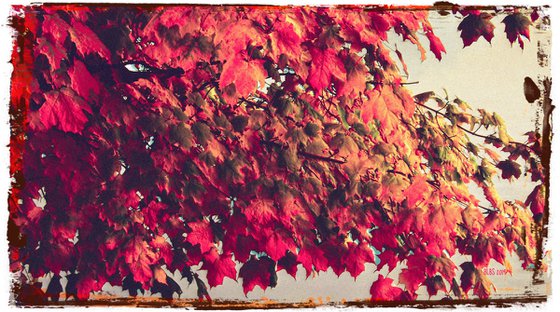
508,267
160,275
502,134
492,154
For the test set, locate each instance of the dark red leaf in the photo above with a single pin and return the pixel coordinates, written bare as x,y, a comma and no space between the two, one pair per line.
509,169
201,290
132,286
536,200
468,277
535,15
258,272
289,263
435,284
517,25
54,288
31,294
531,90
475,25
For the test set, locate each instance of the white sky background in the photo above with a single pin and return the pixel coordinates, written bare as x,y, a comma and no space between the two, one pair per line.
486,76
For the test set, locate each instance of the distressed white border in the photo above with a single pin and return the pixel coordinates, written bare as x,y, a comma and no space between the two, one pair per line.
5,72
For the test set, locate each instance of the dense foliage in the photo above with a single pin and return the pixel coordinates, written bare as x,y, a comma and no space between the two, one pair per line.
147,139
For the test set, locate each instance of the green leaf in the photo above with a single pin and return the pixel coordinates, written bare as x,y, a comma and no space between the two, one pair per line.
182,135
472,148
462,104
312,129
202,132
239,123
342,114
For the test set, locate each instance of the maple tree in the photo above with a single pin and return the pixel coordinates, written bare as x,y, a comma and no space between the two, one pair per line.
154,139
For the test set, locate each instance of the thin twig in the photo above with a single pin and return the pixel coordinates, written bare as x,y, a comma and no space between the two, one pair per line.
467,130
321,158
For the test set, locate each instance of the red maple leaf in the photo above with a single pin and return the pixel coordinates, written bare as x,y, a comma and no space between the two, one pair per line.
436,46
326,68
201,234
415,273
417,191
487,248
63,109
139,257
389,258
383,290
379,23
87,41
277,243
242,75
163,247
53,51
152,213
237,36
285,40
218,267
243,247
312,259
83,82
381,105
358,255
55,29
443,265
260,212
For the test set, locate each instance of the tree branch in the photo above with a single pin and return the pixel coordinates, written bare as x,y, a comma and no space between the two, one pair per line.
321,158
467,130
256,105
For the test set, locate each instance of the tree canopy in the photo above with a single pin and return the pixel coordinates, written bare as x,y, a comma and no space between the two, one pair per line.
147,138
